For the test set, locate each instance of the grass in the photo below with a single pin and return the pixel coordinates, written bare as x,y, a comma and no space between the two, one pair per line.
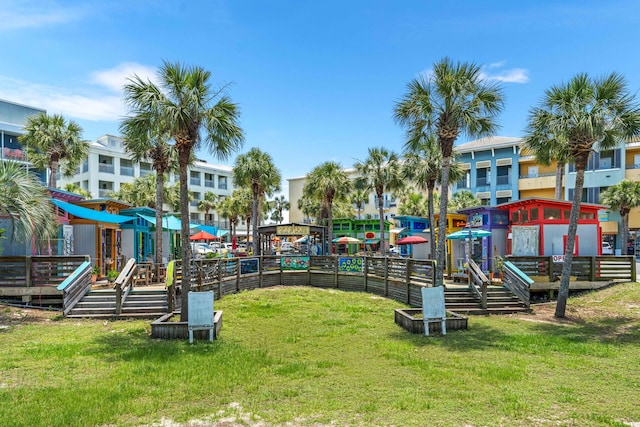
318,357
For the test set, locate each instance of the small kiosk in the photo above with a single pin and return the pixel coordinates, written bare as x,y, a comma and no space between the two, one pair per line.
495,221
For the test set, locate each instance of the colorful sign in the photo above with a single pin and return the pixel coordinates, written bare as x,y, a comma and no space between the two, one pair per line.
350,265
294,262
292,230
249,265
369,235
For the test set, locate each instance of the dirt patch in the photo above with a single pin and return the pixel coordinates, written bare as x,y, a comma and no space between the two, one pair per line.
13,316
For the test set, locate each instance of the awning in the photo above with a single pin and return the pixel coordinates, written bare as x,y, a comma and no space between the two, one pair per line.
169,222
91,214
397,230
609,227
372,242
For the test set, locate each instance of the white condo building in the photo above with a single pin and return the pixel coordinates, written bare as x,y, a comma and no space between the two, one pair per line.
108,166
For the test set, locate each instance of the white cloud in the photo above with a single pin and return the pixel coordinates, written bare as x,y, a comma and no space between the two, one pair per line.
514,75
497,64
35,14
99,99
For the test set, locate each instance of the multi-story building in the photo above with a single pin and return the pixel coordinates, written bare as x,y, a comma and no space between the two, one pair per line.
369,208
108,166
13,116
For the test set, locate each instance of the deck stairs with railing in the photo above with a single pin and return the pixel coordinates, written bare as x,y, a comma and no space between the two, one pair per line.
145,303
500,300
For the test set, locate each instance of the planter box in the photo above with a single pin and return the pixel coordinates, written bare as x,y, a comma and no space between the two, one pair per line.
415,325
165,329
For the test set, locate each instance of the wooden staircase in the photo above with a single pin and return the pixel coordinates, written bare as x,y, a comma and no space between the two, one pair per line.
499,301
140,303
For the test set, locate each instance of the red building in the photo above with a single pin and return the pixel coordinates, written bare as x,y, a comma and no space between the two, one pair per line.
539,227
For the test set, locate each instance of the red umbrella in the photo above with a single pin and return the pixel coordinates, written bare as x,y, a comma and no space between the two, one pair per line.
202,235
411,240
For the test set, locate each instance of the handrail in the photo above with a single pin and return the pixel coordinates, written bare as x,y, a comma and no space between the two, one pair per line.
478,280
124,283
75,286
517,282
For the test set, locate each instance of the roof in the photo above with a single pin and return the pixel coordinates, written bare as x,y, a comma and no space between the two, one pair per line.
563,203
488,143
91,214
169,222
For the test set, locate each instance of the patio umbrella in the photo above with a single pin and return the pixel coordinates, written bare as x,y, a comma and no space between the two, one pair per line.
466,233
346,240
411,240
202,235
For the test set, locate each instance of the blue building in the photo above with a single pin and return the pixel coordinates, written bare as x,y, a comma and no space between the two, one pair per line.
491,166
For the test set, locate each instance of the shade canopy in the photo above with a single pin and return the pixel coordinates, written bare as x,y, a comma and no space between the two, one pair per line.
465,233
345,240
90,214
411,240
202,235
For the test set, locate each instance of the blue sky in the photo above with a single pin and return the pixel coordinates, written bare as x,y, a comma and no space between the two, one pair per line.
315,81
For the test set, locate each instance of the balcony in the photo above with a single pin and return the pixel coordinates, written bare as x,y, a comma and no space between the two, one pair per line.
483,182
104,192
105,167
502,180
209,183
537,182
126,170
144,172
194,181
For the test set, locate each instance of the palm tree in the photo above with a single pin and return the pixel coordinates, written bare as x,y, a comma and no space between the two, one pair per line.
452,100
210,202
228,209
622,197
185,107
243,202
575,118
75,188
378,173
255,170
309,206
327,183
463,199
52,142
25,202
359,197
144,139
415,205
280,204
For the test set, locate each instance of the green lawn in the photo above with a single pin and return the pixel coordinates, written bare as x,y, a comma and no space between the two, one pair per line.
305,356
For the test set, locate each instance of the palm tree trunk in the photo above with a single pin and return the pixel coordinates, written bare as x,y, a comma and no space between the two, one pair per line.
53,180
432,229
625,234
183,159
442,222
254,222
330,226
563,292
381,213
559,175
159,203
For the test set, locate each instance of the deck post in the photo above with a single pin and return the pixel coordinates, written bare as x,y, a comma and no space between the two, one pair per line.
336,268
633,268
592,269
407,278
28,271
386,276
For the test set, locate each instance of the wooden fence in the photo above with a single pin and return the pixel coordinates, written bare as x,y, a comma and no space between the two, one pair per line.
397,278
606,268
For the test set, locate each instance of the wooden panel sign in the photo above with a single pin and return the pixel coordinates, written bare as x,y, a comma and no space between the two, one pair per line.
201,310
433,307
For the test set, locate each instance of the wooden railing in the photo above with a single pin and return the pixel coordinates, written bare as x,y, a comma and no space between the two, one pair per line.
585,268
75,286
517,282
124,283
478,283
396,278
33,271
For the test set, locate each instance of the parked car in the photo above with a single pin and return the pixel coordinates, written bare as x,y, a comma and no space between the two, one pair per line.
393,250
286,247
200,250
606,248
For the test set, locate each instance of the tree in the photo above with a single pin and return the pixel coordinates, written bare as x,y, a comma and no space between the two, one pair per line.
423,166
75,188
327,183
622,197
359,197
243,200
575,118
280,204
560,157
185,107
54,143
25,202
228,209
452,100
463,199
146,139
415,205
255,170
378,173
210,202
309,206
142,192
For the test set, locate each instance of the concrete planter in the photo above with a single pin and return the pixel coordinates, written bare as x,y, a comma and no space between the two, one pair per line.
415,325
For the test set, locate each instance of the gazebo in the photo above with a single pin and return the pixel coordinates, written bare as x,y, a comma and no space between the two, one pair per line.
317,233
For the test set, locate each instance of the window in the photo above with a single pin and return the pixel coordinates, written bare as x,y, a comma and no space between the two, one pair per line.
533,171
589,195
485,202
222,182
503,175
534,214
464,182
126,167
483,177
551,213
194,178
501,200
145,168
196,198
209,180
105,164
104,188
194,216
